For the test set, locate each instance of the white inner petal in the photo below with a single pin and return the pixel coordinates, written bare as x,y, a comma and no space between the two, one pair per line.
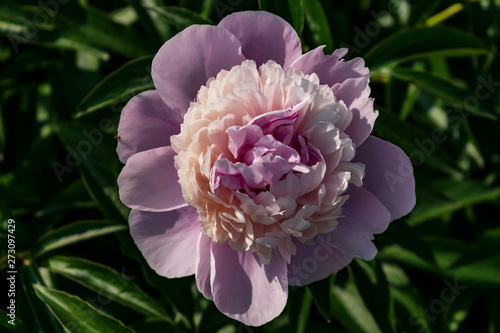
258,193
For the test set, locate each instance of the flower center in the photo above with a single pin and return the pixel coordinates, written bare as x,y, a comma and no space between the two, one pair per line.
263,157
263,152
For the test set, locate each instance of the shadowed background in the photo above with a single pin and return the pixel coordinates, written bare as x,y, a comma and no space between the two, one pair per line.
68,67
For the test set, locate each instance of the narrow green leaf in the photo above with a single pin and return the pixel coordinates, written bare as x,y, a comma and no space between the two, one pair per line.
43,317
320,292
467,192
118,87
98,29
297,11
458,310
77,315
411,139
7,324
102,186
108,282
400,233
299,305
485,247
374,289
180,17
74,233
408,300
318,24
73,197
421,43
349,309
99,169
448,91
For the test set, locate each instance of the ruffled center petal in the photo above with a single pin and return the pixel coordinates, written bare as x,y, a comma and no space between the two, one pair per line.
263,157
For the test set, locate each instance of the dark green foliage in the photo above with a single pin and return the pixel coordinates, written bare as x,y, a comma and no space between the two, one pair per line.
68,69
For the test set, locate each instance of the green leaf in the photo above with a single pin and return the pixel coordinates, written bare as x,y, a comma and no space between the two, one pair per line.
400,233
297,11
349,309
108,282
74,233
374,289
77,315
448,91
30,277
484,248
99,169
118,87
448,196
74,196
6,326
180,17
102,186
458,310
422,43
299,304
318,24
320,292
407,298
409,137
95,27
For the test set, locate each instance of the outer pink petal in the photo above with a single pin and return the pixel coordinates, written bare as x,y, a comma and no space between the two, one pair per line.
203,254
264,36
316,262
167,239
186,61
349,82
246,290
146,122
149,181
363,216
389,175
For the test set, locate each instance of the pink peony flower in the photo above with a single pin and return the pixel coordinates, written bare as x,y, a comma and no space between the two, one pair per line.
252,166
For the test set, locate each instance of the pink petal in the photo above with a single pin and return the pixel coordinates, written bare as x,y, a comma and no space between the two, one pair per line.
146,123
349,82
389,175
246,290
167,240
203,250
264,36
316,262
355,93
149,181
186,61
362,217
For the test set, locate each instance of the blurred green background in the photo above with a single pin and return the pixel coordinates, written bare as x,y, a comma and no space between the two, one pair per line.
68,67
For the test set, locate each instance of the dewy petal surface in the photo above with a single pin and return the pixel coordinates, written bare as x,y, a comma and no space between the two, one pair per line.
389,175
146,122
245,289
189,59
167,239
149,181
264,37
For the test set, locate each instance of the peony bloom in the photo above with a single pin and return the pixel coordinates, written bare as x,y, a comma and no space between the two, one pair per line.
252,166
